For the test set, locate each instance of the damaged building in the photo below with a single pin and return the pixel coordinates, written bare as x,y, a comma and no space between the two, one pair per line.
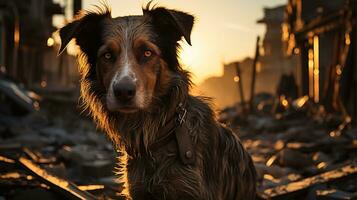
305,147
28,51
272,64
323,34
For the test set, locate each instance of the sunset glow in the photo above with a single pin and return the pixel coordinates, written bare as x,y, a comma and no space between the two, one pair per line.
223,32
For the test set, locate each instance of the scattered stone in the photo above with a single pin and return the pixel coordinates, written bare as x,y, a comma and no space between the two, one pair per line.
97,168
60,142
320,157
53,131
274,170
294,159
36,193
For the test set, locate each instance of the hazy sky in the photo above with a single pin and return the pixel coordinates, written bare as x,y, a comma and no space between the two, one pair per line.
224,31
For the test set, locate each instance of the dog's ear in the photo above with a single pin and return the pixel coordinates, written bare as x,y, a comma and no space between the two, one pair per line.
67,33
172,23
85,30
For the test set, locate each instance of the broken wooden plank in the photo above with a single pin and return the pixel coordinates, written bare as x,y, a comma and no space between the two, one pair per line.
6,160
294,188
333,194
68,189
38,157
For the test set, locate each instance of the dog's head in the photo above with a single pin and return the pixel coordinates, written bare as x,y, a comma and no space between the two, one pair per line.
133,58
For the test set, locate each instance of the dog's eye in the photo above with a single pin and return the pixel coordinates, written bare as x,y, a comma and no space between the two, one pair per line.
147,53
108,56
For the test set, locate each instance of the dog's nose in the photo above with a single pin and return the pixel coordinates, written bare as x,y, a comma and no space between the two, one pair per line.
124,90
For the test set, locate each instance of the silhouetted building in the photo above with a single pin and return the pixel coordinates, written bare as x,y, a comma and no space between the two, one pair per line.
273,47
272,65
273,62
223,88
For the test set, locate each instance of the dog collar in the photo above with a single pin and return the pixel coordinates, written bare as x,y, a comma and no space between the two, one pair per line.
175,129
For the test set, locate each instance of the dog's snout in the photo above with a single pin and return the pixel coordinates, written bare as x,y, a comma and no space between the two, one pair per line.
124,90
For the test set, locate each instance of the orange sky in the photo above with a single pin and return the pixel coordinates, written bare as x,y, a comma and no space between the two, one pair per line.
224,31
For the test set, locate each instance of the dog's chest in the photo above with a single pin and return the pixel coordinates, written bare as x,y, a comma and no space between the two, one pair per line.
150,176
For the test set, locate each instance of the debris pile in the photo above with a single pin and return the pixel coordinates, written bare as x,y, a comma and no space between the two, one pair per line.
52,153
299,150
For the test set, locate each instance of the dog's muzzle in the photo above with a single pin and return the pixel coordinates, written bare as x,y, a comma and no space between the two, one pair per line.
124,91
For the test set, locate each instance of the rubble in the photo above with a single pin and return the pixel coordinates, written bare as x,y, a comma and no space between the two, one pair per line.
293,190
295,151
19,99
53,153
295,147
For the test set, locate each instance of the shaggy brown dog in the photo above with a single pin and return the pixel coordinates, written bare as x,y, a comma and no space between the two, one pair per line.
131,81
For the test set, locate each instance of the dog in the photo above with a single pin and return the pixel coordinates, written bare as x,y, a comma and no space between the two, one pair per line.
136,91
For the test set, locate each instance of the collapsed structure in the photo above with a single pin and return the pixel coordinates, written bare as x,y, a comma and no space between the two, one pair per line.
323,34
28,50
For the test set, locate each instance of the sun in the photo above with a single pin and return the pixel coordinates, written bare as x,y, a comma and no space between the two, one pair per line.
191,59
187,55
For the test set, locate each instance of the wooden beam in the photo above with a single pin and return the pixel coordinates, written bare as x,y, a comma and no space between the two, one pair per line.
254,73
239,81
293,189
66,188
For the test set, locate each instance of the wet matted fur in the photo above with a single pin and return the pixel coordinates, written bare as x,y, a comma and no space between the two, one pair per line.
222,168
